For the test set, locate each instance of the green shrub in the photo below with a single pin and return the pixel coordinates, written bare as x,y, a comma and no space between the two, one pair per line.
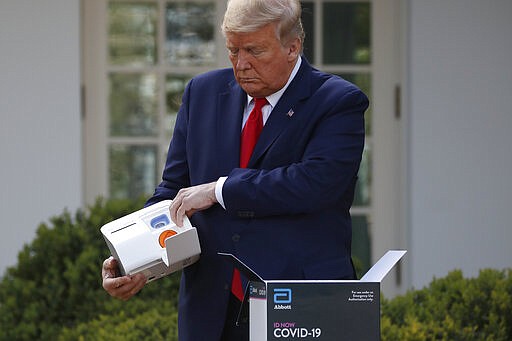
55,293
453,308
56,286
157,323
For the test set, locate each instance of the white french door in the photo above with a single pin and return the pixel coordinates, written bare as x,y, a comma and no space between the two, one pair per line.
139,54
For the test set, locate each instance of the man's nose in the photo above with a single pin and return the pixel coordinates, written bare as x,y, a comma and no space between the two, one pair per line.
243,62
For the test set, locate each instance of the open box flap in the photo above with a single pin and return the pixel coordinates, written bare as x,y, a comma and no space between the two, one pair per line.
380,269
243,313
244,269
376,273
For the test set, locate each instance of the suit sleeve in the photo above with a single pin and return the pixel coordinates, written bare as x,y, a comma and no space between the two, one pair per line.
322,177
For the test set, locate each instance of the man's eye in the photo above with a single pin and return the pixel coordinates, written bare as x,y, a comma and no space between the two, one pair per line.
233,52
255,52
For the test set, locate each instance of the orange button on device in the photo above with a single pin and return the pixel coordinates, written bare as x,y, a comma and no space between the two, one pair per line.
164,235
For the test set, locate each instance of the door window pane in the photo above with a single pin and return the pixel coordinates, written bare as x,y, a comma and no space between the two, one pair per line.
132,170
346,38
361,242
175,86
190,29
364,182
133,105
362,194
132,33
308,22
363,81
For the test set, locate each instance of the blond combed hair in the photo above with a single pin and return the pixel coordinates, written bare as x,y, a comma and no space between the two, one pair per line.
245,16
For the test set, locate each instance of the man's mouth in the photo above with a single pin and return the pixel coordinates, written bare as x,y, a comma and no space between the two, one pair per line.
247,80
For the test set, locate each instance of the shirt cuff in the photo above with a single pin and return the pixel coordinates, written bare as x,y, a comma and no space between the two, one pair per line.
218,190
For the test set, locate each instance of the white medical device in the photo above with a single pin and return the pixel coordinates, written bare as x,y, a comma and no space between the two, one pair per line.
148,242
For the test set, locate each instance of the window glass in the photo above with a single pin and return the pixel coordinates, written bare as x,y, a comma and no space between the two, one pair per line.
346,38
363,81
132,33
361,241
175,85
132,170
190,33
133,104
308,15
362,193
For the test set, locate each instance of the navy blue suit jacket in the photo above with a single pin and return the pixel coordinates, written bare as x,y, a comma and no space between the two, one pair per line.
287,214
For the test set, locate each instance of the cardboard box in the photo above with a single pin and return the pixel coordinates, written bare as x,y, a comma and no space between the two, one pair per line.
148,242
328,310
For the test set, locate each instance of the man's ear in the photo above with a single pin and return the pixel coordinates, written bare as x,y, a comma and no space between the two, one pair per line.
294,47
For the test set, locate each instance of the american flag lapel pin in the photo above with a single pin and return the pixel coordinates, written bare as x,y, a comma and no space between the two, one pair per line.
290,113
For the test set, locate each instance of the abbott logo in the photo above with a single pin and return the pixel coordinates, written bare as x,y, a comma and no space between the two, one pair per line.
282,298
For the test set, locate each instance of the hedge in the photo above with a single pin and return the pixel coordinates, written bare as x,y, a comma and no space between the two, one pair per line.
54,293
453,308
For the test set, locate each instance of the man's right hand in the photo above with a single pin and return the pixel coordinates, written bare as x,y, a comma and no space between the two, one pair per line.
122,287
190,200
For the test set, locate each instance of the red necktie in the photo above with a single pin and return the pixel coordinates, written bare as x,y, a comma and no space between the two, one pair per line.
251,131
250,134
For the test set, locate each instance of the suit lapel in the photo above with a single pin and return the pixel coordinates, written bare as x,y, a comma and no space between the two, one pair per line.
230,106
284,112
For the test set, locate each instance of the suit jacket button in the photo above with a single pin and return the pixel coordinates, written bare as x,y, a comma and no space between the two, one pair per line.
245,214
235,238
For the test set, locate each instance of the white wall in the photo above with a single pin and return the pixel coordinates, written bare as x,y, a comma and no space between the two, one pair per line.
460,136
40,146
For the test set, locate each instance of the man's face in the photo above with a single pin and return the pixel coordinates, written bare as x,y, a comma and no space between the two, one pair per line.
261,64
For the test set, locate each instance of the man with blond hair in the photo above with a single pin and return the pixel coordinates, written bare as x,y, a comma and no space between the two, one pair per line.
279,203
